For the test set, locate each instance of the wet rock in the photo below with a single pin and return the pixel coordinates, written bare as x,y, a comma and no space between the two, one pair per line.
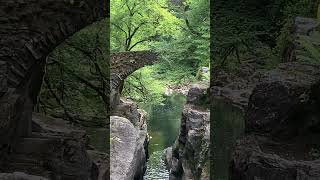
128,150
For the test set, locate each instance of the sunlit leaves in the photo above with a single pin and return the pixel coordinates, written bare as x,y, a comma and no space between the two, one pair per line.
135,23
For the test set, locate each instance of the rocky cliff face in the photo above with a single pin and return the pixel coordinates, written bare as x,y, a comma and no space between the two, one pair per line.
188,158
128,153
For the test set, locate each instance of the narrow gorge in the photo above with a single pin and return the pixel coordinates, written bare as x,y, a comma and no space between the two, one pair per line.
141,143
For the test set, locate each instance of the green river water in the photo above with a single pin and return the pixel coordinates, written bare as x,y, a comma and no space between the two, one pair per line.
163,127
227,126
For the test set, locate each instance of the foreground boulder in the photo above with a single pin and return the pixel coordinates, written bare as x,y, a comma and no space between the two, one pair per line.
188,158
286,102
282,127
128,150
55,150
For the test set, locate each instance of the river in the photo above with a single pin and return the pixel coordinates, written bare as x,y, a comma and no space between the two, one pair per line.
163,127
228,125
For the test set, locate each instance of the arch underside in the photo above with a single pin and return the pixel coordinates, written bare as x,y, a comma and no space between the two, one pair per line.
122,65
30,30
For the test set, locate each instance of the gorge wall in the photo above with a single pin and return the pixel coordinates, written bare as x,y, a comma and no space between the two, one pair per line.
188,158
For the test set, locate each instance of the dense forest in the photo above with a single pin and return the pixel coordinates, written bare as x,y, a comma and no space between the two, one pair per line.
178,32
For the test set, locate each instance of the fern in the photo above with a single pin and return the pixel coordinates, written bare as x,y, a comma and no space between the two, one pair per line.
311,48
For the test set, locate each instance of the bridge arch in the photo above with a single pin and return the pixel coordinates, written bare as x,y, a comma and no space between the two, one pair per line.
30,30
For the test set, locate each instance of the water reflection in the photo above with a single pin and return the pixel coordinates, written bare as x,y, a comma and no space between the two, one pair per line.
163,127
227,126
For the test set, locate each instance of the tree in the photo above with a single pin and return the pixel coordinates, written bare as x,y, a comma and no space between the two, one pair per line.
134,23
183,50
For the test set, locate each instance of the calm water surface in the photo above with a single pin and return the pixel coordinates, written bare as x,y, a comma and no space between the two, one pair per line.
228,126
163,127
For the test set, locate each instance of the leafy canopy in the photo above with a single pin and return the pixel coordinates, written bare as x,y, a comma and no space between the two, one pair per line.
135,23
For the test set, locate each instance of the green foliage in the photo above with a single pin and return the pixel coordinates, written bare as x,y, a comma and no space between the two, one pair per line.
76,83
135,23
311,48
245,27
240,26
292,9
180,37
183,54
144,87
